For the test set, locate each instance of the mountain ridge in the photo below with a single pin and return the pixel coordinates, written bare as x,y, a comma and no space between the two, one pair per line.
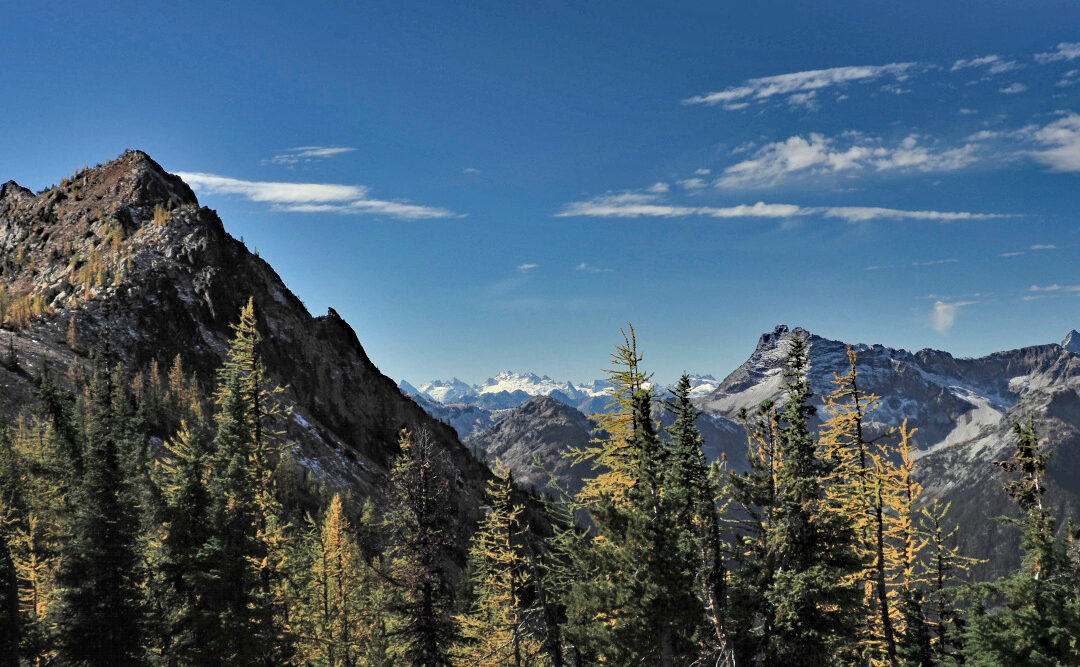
126,246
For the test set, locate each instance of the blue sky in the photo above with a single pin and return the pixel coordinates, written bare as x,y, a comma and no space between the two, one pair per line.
479,186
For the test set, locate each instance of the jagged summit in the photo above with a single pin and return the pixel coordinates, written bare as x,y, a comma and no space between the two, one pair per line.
1071,342
125,245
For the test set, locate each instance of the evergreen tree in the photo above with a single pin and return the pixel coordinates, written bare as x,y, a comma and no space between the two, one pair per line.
100,614
693,493
914,643
1037,620
188,565
752,615
810,543
498,629
419,553
664,613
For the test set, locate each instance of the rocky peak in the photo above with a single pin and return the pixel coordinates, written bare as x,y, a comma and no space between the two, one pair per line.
139,180
125,245
13,189
1072,342
771,338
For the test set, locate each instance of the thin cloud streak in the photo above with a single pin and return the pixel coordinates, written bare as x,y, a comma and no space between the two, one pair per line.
299,154
639,205
311,197
797,83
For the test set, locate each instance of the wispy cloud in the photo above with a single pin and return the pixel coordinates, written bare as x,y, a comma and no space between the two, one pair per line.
932,262
1043,246
798,83
311,197
643,205
1014,88
1054,288
817,154
1061,139
299,154
692,183
943,316
1065,51
525,268
589,268
994,64
471,170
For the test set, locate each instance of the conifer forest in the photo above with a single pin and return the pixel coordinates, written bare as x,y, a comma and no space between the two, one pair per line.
146,521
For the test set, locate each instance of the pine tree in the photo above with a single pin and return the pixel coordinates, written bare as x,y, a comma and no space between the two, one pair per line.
100,615
944,562
10,500
811,544
250,530
335,626
1037,621
188,565
611,453
914,643
871,482
498,629
664,613
418,553
693,493
752,615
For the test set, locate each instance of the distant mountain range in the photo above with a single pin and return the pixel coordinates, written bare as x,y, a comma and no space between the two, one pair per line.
510,390
963,408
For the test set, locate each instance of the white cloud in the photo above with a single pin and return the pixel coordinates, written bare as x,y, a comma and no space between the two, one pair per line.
993,63
639,205
1044,246
1014,88
1065,51
271,191
692,183
1012,254
863,213
658,188
1062,141
944,315
935,262
308,154
310,197
702,172
806,100
525,268
589,268
798,83
817,154
1054,288
471,170
932,262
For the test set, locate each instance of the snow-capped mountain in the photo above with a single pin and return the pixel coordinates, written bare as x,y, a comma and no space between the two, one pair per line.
510,389
440,391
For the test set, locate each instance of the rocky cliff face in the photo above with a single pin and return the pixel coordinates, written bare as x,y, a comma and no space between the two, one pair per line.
964,409
126,246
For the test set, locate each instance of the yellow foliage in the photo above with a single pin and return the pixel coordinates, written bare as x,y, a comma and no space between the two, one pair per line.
872,484
610,454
